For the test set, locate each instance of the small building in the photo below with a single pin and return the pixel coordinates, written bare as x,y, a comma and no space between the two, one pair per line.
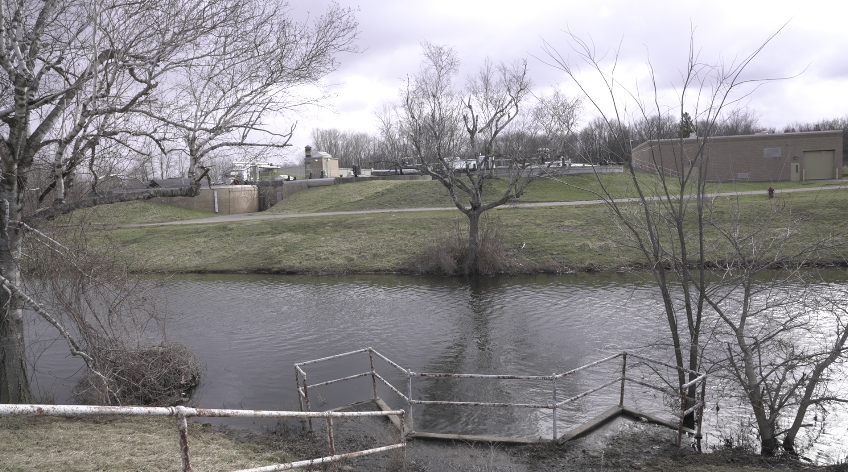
320,165
815,155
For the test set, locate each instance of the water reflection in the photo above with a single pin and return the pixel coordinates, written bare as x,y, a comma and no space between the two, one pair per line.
248,330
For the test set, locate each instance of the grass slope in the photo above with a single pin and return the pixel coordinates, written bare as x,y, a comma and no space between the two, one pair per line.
385,194
556,238
142,211
120,443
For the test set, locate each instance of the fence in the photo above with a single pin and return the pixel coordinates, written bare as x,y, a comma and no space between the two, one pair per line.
181,413
688,405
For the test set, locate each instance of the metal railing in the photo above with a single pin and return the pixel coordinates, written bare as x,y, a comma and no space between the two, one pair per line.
688,405
182,413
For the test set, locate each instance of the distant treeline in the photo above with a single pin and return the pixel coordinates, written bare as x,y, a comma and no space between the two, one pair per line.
596,142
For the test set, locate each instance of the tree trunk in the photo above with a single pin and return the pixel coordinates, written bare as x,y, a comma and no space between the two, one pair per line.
14,381
768,443
471,265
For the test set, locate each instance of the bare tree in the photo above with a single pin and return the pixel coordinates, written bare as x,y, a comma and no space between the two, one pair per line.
825,125
452,133
709,256
349,147
604,142
738,121
81,76
554,119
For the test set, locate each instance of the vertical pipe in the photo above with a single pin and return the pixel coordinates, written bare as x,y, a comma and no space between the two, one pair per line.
182,426
623,375
330,436
306,396
682,414
555,404
373,376
409,397
698,435
297,387
299,396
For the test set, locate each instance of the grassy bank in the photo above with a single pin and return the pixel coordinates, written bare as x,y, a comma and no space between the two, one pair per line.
150,444
431,194
551,239
385,194
121,443
132,212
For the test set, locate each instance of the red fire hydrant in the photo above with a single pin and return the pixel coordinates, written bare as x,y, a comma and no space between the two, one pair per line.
771,192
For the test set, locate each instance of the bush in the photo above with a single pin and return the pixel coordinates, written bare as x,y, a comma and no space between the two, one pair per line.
446,254
161,375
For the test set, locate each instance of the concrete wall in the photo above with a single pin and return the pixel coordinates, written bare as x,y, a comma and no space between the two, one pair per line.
740,158
232,200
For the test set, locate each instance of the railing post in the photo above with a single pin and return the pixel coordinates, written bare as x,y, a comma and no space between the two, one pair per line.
182,426
698,435
373,376
330,440
623,376
299,395
682,414
297,385
306,397
555,403
409,397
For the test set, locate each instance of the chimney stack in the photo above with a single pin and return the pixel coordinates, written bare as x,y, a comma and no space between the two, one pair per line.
308,151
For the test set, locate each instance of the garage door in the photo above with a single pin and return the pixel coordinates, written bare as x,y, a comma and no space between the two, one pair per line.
818,165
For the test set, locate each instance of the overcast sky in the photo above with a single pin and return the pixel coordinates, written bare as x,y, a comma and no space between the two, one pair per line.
814,44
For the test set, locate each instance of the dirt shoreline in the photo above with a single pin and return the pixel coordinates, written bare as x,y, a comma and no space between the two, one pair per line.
620,446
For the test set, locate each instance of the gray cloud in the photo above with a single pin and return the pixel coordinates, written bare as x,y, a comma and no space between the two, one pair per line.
655,31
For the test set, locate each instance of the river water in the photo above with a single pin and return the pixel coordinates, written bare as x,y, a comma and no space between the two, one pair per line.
249,330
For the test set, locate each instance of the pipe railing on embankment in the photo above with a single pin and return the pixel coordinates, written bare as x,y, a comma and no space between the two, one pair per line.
181,413
688,405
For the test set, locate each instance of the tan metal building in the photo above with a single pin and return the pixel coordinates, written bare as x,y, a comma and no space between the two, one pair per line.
319,165
815,155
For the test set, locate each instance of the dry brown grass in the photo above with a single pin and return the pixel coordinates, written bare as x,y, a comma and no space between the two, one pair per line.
446,253
114,443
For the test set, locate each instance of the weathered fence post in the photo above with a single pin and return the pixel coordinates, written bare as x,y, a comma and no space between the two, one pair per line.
409,397
554,378
623,376
698,435
373,374
182,425
682,414
306,397
330,440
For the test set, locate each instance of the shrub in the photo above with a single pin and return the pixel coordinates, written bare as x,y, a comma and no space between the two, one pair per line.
446,253
160,375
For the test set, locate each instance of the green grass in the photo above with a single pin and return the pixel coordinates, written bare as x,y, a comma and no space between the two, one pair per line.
556,238
131,212
431,194
120,443
386,194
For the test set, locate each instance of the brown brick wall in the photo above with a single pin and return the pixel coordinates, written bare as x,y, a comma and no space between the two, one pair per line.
728,156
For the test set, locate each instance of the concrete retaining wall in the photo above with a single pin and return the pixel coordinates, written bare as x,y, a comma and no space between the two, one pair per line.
232,200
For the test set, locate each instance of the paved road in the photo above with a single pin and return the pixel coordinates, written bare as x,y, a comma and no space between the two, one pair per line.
267,216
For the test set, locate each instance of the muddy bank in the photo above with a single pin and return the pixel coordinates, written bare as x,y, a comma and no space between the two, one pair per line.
621,445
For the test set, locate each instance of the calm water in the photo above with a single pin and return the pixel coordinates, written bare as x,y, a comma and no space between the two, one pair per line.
249,330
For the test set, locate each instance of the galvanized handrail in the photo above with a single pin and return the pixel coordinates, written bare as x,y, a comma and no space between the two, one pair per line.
181,413
688,404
